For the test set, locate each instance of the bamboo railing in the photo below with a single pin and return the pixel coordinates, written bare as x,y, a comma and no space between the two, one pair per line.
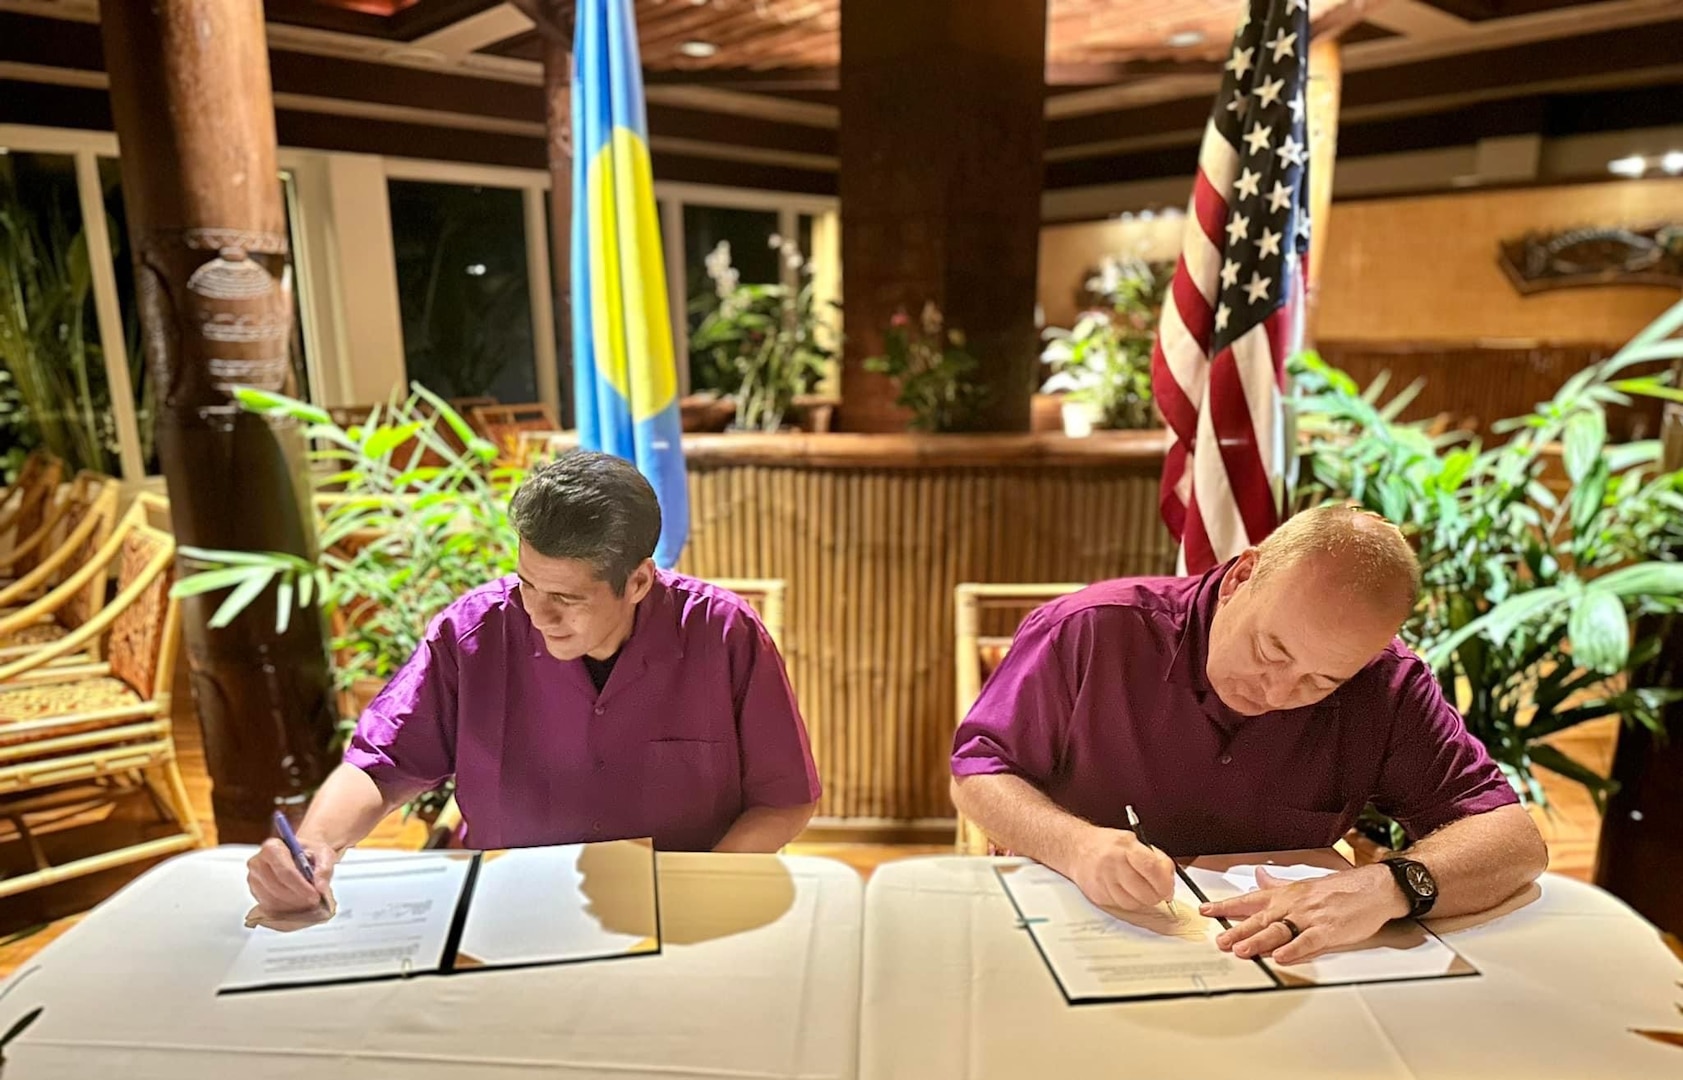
872,533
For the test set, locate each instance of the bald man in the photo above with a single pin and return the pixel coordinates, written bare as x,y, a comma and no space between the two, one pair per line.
1258,707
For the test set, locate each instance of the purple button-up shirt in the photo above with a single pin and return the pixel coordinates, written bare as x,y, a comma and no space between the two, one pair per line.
1102,701
695,725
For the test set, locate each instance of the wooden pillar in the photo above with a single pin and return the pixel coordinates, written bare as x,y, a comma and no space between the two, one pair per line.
553,20
195,121
942,138
558,117
1326,80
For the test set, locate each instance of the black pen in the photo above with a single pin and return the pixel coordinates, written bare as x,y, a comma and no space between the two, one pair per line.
1134,824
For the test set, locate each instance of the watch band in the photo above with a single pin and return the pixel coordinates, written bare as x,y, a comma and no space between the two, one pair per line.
1420,900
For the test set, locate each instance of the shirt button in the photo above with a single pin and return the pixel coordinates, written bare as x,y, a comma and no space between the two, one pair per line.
597,825
1227,759
600,710
598,766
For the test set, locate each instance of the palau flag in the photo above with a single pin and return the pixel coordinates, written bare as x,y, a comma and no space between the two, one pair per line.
625,377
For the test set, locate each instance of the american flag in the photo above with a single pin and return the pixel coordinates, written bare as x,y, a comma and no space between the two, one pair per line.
1234,311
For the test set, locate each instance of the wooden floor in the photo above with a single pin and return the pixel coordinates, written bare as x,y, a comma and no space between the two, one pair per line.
29,922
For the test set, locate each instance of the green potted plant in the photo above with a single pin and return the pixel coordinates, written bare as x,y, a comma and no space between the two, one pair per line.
1532,593
1103,366
400,540
762,346
933,371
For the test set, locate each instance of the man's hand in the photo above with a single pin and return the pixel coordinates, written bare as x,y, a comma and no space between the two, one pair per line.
1115,870
279,888
1329,912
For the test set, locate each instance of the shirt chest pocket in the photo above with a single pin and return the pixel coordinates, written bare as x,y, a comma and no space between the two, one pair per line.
685,781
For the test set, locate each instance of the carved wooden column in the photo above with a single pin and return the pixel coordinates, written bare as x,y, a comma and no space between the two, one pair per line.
942,139
195,120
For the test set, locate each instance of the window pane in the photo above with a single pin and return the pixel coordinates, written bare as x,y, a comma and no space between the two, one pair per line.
54,392
806,236
755,261
463,290
140,377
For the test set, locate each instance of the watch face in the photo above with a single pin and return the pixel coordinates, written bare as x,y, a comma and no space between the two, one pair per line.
1420,880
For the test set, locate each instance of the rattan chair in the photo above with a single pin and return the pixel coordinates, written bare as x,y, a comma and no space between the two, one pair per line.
503,425
24,511
979,653
75,736
85,517
764,595
90,511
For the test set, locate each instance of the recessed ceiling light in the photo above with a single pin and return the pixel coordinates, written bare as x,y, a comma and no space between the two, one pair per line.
1185,39
698,50
1673,162
1627,166
476,269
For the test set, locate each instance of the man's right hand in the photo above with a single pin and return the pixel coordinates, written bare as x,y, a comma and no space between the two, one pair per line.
1114,870
279,887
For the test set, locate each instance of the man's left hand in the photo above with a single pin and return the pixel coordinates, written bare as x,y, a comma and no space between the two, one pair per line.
1329,913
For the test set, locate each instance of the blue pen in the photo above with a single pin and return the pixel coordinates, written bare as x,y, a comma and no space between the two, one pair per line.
290,839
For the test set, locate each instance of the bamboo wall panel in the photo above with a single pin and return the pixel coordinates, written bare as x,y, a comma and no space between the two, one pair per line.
871,555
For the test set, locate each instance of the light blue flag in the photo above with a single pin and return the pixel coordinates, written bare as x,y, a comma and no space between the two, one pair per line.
625,377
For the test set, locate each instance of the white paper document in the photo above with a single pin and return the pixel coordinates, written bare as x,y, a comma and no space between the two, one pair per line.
1098,955
444,912
1401,950
560,904
393,919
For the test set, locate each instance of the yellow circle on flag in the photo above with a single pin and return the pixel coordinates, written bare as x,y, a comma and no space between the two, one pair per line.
632,334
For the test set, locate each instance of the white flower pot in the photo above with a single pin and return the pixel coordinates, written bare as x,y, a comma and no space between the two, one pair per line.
1079,418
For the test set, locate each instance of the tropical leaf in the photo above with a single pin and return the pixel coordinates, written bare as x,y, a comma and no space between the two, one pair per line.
1599,632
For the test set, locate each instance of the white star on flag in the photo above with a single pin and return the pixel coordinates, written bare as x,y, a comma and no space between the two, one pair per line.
1282,45
1234,315
1239,229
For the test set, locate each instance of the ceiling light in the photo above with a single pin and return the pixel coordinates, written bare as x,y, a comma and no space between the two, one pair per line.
1632,166
1185,39
1673,162
476,269
698,50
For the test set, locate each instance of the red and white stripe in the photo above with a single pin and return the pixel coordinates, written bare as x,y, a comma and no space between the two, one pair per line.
1223,473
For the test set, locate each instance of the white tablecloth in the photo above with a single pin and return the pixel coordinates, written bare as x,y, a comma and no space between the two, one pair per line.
759,977
953,989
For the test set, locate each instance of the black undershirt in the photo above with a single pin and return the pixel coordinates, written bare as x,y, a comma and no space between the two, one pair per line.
600,670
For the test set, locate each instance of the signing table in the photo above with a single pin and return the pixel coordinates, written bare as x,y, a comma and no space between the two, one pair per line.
954,989
758,977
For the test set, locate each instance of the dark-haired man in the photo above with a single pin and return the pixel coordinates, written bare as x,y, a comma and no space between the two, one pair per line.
589,696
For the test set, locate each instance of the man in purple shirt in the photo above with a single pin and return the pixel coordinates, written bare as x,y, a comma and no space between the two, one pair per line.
587,697
1258,707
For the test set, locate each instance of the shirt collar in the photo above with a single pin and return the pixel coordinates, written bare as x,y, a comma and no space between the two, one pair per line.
1193,650
654,633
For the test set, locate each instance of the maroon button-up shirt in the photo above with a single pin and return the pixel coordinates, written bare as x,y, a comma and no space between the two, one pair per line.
1102,701
695,725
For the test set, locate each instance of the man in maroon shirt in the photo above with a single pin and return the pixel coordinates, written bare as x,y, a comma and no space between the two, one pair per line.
589,696
1258,707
